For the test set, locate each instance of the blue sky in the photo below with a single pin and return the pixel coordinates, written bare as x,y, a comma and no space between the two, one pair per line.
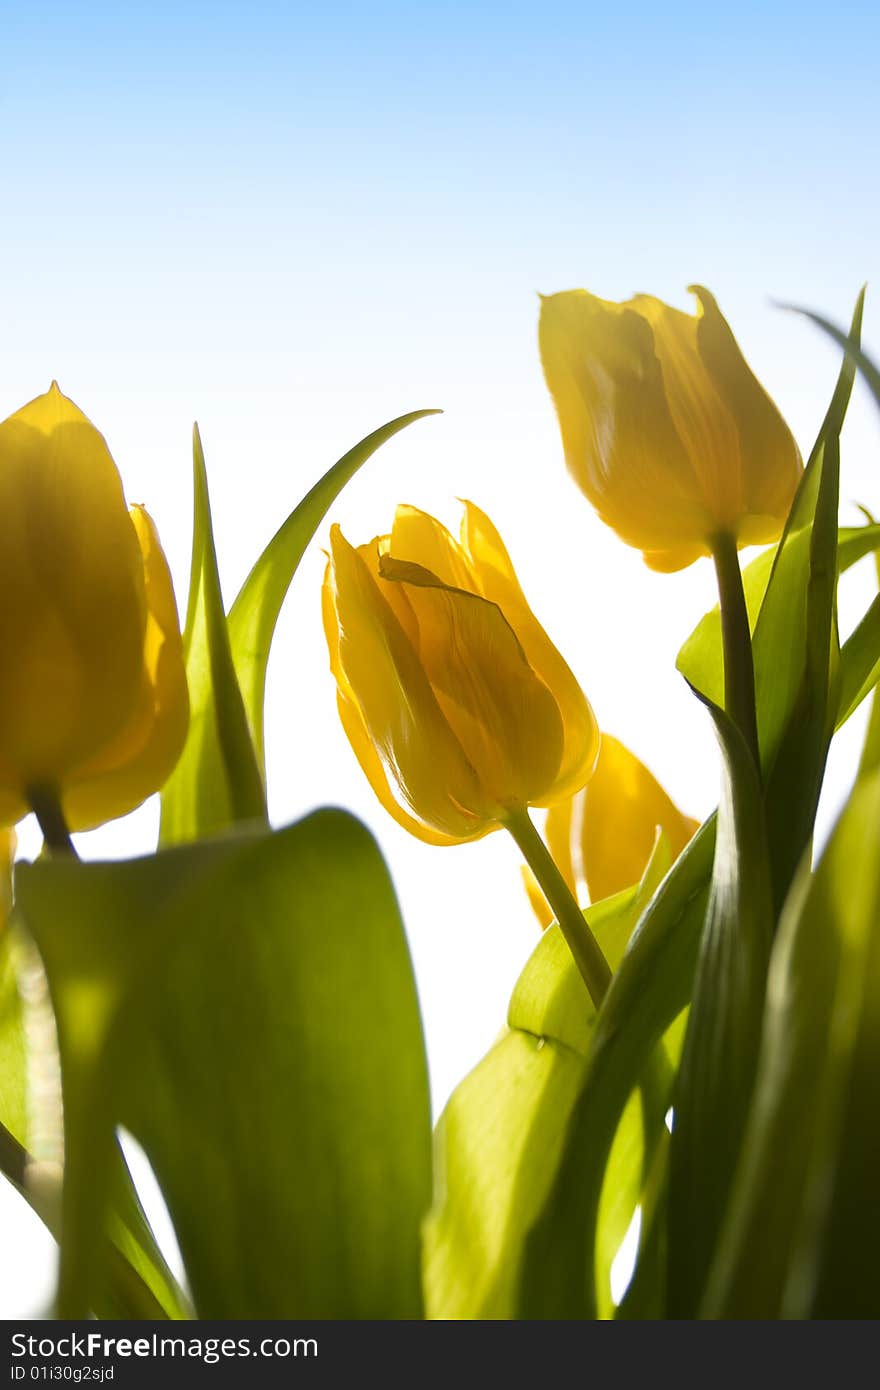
294,222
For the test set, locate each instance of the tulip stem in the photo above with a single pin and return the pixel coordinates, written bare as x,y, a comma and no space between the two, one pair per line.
581,942
47,808
739,670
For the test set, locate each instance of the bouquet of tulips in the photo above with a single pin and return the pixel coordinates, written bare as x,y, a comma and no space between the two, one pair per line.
679,1119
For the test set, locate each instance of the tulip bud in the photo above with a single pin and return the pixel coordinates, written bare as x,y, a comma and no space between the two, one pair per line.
665,428
93,697
459,708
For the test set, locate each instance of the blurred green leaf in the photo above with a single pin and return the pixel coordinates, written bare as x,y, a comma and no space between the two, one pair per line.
217,782
255,612
13,1107
131,1279
803,1225
649,990
716,1076
246,1009
13,1101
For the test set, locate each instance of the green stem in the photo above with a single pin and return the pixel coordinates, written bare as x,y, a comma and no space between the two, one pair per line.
581,941
739,670
46,807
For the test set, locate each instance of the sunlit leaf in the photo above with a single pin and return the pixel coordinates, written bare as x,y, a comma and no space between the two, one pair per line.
217,782
246,1009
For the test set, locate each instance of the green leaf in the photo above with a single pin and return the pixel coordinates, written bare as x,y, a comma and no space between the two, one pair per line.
220,779
803,1226
859,663
255,611
246,1009
720,1056
498,1139
851,348
13,1099
13,1105
132,1279
217,782
701,657
648,992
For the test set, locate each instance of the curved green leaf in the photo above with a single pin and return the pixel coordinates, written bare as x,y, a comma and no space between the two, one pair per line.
255,612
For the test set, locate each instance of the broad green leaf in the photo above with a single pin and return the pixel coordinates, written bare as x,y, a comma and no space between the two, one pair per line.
246,1009
557,1278
255,612
217,782
715,1080
499,1137
803,1227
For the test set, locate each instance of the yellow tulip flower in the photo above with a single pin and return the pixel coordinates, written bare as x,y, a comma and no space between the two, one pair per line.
93,697
664,426
601,838
458,706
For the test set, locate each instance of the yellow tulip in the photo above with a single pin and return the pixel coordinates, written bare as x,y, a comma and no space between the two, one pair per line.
665,428
458,706
93,697
601,839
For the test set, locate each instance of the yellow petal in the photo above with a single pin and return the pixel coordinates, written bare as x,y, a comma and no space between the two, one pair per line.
770,462
540,906
620,441
374,770
498,583
74,610
144,753
502,713
378,671
621,810
422,539
664,426
706,428
559,834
